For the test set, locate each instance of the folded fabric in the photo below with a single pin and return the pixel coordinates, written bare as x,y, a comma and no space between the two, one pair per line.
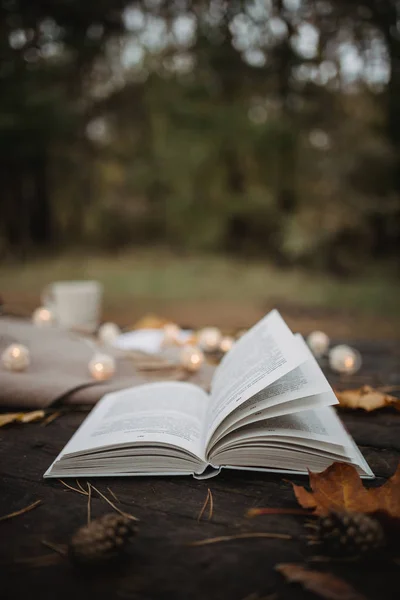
58,371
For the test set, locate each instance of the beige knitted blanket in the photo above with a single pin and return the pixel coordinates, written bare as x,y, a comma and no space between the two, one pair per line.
59,368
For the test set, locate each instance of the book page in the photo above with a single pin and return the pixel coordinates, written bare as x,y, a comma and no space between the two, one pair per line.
320,430
171,413
309,426
305,381
264,354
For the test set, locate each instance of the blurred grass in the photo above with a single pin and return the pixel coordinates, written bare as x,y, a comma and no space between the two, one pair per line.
160,276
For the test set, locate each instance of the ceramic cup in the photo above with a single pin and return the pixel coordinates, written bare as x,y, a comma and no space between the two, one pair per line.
74,304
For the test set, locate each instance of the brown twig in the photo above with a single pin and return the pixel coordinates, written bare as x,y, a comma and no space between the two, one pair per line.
89,508
241,536
60,549
21,511
70,487
46,560
255,512
121,512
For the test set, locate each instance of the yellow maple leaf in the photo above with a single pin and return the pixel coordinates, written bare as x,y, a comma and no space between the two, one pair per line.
366,398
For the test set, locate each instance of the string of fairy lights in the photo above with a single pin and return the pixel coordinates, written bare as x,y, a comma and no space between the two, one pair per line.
190,354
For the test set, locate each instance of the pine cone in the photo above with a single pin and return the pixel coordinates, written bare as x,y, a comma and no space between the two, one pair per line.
348,534
103,540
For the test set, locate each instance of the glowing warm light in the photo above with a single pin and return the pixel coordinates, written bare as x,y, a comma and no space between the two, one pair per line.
102,367
349,362
226,343
344,359
43,317
191,358
318,343
108,333
171,334
209,339
16,357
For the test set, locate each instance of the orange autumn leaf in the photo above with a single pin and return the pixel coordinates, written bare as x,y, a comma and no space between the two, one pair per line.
325,585
150,321
366,398
339,487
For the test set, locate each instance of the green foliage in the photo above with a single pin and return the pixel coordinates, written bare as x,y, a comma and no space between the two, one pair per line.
232,138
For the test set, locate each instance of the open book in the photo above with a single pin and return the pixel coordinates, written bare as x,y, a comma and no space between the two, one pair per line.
269,409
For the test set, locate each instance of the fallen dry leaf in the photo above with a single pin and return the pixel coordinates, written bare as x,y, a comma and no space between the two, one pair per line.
21,417
151,322
339,487
8,418
325,585
366,398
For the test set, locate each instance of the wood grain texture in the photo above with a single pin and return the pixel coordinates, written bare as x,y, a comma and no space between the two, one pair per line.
163,565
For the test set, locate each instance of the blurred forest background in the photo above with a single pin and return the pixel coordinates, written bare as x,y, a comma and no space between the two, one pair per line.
267,131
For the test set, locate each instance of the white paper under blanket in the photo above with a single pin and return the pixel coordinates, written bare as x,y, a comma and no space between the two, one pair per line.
146,340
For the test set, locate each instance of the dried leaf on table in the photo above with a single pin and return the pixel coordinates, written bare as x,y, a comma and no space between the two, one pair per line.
7,418
366,398
325,585
21,417
32,416
150,322
339,487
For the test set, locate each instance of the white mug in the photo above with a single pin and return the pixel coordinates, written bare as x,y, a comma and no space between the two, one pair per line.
74,304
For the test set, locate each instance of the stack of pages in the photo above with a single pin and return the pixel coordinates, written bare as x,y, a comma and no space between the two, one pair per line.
269,409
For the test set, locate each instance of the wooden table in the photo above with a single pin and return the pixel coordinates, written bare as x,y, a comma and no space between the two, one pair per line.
163,565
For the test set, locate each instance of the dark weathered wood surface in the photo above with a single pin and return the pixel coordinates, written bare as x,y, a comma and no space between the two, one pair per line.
162,564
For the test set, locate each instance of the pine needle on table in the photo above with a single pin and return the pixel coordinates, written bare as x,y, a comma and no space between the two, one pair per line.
80,486
88,493
118,510
208,502
255,512
89,508
60,549
241,536
71,487
47,560
21,511
52,417
113,495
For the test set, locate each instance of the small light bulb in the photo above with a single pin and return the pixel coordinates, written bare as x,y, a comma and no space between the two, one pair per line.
43,317
226,343
171,334
191,358
102,367
318,343
344,359
108,333
209,339
16,357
